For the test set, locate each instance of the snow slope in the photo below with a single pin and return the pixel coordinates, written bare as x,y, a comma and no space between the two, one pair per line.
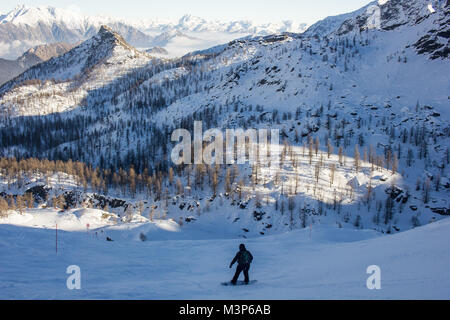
330,265
24,27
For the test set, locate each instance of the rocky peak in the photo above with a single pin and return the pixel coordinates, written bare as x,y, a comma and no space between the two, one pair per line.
390,14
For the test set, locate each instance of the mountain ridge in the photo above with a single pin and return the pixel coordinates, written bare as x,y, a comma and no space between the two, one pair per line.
366,95
33,56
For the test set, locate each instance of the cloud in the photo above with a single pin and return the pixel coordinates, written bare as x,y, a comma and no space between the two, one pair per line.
4,49
73,8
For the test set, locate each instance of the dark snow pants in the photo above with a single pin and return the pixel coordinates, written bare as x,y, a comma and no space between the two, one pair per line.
239,269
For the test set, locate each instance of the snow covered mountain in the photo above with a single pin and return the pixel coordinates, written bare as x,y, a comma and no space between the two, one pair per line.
413,264
24,27
189,23
362,104
35,55
97,61
369,89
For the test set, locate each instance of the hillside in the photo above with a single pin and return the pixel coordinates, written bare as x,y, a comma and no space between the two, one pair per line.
361,101
329,264
25,27
90,65
12,68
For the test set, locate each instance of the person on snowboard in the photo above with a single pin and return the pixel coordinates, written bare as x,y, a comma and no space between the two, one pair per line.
244,258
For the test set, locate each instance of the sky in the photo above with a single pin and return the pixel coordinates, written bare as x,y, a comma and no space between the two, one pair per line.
307,11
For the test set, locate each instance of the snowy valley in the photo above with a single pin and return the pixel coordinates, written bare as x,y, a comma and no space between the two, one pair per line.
361,102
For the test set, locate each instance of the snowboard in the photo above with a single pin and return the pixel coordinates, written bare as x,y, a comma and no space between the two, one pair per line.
239,283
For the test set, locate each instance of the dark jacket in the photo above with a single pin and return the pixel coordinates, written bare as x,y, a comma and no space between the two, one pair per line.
238,257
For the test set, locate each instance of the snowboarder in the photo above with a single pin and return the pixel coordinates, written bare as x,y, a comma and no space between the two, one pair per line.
244,258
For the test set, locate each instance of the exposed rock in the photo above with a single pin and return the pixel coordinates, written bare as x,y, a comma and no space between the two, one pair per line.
258,215
441,211
39,192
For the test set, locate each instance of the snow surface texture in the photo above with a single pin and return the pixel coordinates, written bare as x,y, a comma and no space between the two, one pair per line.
107,52
325,263
24,27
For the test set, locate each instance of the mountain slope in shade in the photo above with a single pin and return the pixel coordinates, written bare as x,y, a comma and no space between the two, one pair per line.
157,51
436,42
92,64
413,23
26,26
317,72
12,68
433,16
105,45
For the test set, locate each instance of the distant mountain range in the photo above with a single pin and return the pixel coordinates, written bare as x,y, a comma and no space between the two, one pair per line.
34,56
25,27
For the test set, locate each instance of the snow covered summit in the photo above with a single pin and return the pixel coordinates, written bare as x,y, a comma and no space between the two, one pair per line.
92,64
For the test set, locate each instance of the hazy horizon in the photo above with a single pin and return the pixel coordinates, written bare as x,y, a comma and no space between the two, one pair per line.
301,11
